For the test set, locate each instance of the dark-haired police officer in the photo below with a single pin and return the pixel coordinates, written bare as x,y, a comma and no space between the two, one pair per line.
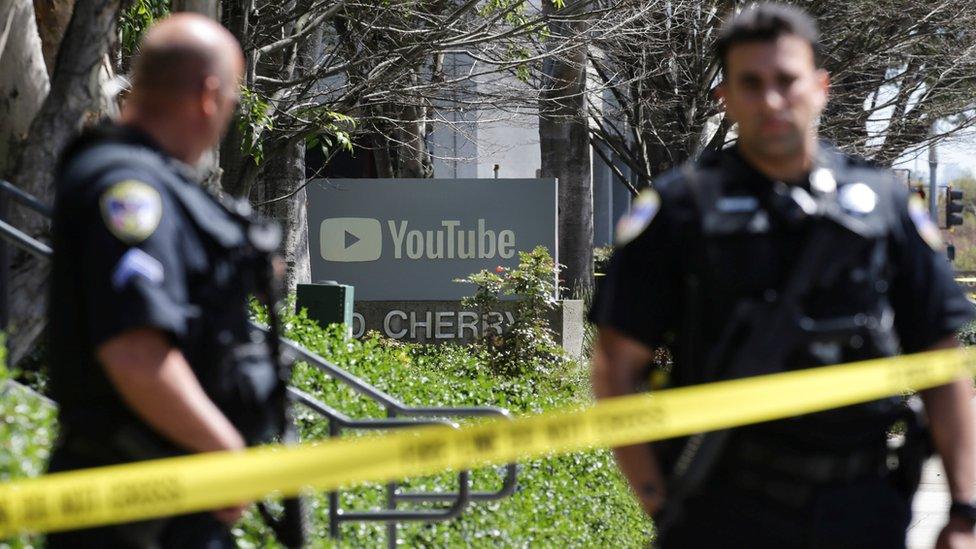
152,355
782,253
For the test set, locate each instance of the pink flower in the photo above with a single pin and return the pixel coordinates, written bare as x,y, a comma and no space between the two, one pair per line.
499,269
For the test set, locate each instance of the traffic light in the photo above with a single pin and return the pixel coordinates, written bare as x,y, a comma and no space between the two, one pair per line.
953,208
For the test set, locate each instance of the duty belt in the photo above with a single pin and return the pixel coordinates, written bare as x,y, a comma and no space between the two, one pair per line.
791,478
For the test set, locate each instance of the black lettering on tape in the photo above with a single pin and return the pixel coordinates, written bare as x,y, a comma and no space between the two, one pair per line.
623,420
35,507
909,375
484,442
656,414
149,492
77,501
562,430
423,451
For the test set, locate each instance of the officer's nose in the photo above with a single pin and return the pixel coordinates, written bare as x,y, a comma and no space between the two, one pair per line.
773,99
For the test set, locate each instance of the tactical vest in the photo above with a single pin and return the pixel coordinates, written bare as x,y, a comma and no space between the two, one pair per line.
228,357
842,312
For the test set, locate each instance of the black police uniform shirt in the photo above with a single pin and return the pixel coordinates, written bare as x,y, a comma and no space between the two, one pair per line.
129,253
643,294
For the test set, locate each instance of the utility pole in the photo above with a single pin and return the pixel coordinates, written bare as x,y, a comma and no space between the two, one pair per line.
933,185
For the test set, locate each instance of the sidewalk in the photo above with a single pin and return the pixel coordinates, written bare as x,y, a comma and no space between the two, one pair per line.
930,508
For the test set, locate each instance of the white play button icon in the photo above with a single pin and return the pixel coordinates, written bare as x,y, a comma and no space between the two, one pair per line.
351,239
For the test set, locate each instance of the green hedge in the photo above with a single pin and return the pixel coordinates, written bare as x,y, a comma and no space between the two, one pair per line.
28,428
573,500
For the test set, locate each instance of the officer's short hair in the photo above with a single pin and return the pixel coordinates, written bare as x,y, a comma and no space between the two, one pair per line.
174,67
766,22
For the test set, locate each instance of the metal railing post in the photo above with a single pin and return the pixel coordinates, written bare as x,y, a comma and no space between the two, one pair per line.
4,269
391,503
334,430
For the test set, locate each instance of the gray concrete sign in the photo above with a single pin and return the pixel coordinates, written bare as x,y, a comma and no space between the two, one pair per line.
451,322
408,239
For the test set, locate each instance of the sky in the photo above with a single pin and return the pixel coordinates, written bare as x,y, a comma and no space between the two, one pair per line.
955,158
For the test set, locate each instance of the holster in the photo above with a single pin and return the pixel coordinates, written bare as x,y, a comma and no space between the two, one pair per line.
249,392
916,447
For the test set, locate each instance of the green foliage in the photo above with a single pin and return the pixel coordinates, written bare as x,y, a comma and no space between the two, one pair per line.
27,431
253,120
135,19
511,11
578,500
601,258
528,343
333,132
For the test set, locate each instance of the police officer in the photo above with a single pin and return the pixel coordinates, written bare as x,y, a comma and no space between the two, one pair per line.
152,355
782,253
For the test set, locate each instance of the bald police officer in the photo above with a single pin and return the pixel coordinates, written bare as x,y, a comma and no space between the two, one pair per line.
782,253
152,354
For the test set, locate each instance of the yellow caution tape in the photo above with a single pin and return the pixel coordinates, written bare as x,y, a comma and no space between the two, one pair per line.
207,481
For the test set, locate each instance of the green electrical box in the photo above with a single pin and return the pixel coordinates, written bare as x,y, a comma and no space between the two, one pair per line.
327,302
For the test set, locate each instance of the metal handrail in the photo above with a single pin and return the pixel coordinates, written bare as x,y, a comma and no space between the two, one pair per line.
395,408
459,499
24,242
26,199
417,415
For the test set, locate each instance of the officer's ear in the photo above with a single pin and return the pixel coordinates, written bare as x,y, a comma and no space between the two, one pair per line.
719,94
822,79
210,96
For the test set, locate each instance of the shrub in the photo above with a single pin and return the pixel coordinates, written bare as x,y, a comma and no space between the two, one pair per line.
528,343
601,258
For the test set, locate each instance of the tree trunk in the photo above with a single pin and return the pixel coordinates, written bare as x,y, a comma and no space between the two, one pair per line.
207,170
283,172
411,145
210,8
52,18
238,170
381,156
564,146
413,158
75,90
23,85
23,78
283,181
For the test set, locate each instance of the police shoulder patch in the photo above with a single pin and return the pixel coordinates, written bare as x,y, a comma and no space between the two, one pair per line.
642,212
131,210
926,228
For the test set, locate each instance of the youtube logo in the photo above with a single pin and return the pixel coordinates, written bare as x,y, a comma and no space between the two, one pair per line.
351,239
